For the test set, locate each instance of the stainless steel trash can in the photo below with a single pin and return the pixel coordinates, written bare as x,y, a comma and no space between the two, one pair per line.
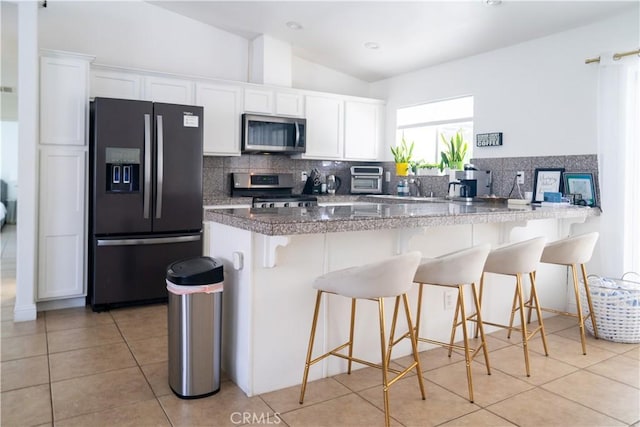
195,290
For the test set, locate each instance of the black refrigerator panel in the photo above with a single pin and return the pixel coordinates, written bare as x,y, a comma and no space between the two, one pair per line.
177,202
121,153
127,271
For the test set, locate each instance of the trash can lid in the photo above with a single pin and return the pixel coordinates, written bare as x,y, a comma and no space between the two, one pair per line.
195,271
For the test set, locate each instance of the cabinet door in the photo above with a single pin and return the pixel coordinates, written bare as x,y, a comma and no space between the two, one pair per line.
222,112
62,228
63,100
258,101
362,125
170,91
325,127
115,84
289,104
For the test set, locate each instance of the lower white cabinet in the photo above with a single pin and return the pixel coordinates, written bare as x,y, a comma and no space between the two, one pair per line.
62,232
222,113
325,127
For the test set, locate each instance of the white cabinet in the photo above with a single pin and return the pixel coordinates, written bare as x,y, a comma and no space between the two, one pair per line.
222,110
325,127
258,101
64,80
289,104
62,227
169,90
362,130
115,84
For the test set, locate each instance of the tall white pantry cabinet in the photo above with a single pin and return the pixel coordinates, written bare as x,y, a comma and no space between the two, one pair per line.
63,157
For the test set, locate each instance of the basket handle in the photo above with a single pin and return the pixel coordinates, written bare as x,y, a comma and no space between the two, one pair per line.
631,272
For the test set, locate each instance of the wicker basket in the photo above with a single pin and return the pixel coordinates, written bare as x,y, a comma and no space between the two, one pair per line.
616,305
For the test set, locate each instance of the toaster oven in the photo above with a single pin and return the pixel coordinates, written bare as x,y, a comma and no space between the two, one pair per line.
366,180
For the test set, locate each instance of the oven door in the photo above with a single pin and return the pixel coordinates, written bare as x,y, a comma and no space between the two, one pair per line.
362,184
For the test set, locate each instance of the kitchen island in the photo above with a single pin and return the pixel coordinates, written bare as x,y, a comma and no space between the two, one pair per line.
272,255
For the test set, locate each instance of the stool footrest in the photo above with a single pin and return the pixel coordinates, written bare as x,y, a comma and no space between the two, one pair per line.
473,352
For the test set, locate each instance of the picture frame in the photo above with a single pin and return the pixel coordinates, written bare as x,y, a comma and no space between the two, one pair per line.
546,180
581,183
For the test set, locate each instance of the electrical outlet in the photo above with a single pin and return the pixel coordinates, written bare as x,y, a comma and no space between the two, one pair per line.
303,176
449,299
520,175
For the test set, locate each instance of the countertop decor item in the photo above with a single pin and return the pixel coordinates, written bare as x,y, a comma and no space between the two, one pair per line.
546,180
581,183
402,156
453,157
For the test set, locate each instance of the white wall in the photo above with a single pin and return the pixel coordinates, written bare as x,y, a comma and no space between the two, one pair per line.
539,94
312,76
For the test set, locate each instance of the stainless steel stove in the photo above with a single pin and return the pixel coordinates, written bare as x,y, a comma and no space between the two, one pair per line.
269,190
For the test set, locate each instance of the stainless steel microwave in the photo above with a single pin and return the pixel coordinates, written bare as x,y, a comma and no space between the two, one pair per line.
273,134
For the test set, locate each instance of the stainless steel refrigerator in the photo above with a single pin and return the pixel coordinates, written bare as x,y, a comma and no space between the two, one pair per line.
145,197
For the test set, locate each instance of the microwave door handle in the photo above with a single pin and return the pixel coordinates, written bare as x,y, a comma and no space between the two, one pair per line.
147,165
160,166
297,135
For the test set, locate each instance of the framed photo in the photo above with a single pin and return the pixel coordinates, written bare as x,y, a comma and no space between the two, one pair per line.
581,183
546,179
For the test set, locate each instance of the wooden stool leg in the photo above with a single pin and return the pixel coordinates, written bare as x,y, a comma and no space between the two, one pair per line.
414,344
419,310
513,312
385,364
587,292
576,291
523,326
479,305
353,321
307,363
465,337
534,300
454,325
393,328
479,327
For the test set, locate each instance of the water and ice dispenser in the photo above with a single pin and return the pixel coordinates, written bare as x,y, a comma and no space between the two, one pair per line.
123,170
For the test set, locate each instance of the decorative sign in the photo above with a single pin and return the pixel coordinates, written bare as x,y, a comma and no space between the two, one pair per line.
489,139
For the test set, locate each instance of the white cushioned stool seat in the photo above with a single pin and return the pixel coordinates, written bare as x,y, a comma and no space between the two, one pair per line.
454,268
391,277
518,259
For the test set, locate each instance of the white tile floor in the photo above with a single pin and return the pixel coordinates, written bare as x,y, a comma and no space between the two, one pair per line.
79,368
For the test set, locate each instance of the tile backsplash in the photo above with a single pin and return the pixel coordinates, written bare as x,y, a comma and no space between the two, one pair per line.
217,172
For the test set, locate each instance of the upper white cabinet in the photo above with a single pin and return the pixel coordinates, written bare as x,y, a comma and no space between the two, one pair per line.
169,90
115,84
289,104
258,101
64,97
363,130
325,127
222,110
62,228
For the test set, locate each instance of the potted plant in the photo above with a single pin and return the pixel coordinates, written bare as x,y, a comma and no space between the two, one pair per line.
402,156
423,168
453,157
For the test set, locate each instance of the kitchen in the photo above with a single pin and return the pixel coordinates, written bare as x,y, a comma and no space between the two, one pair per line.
543,91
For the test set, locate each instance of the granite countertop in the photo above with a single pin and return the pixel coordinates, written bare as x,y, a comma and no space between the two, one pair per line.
375,215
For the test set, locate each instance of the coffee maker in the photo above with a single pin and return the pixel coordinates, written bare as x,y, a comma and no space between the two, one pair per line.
472,183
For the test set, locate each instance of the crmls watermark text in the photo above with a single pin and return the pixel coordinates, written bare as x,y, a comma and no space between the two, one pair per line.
255,418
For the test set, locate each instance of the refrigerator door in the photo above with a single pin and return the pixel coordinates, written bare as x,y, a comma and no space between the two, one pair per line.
128,270
177,203
121,166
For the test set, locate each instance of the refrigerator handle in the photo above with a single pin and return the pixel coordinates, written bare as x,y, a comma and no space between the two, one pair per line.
147,165
160,166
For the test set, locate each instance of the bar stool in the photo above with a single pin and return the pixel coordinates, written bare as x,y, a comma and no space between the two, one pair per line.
454,270
570,252
515,260
392,277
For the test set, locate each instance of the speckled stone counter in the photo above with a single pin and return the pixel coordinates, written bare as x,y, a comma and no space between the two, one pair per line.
357,215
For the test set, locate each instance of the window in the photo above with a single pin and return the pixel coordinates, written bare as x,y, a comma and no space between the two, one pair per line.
424,124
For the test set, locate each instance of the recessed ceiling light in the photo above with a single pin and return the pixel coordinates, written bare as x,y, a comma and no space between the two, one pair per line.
493,2
372,45
293,25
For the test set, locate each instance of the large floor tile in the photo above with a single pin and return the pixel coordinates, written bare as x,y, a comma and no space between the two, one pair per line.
78,317
225,408
481,418
432,359
157,374
73,339
6,314
26,372
23,346
88,361
542,368
349,410
612,346
538,407
408,408
604,395
317,391
487,389
85,395
150,350
143,314
146,413
135,331
361,379
16,329
29,406
619,368
570,351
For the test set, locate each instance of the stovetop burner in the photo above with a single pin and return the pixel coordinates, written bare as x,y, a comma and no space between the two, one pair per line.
284,201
